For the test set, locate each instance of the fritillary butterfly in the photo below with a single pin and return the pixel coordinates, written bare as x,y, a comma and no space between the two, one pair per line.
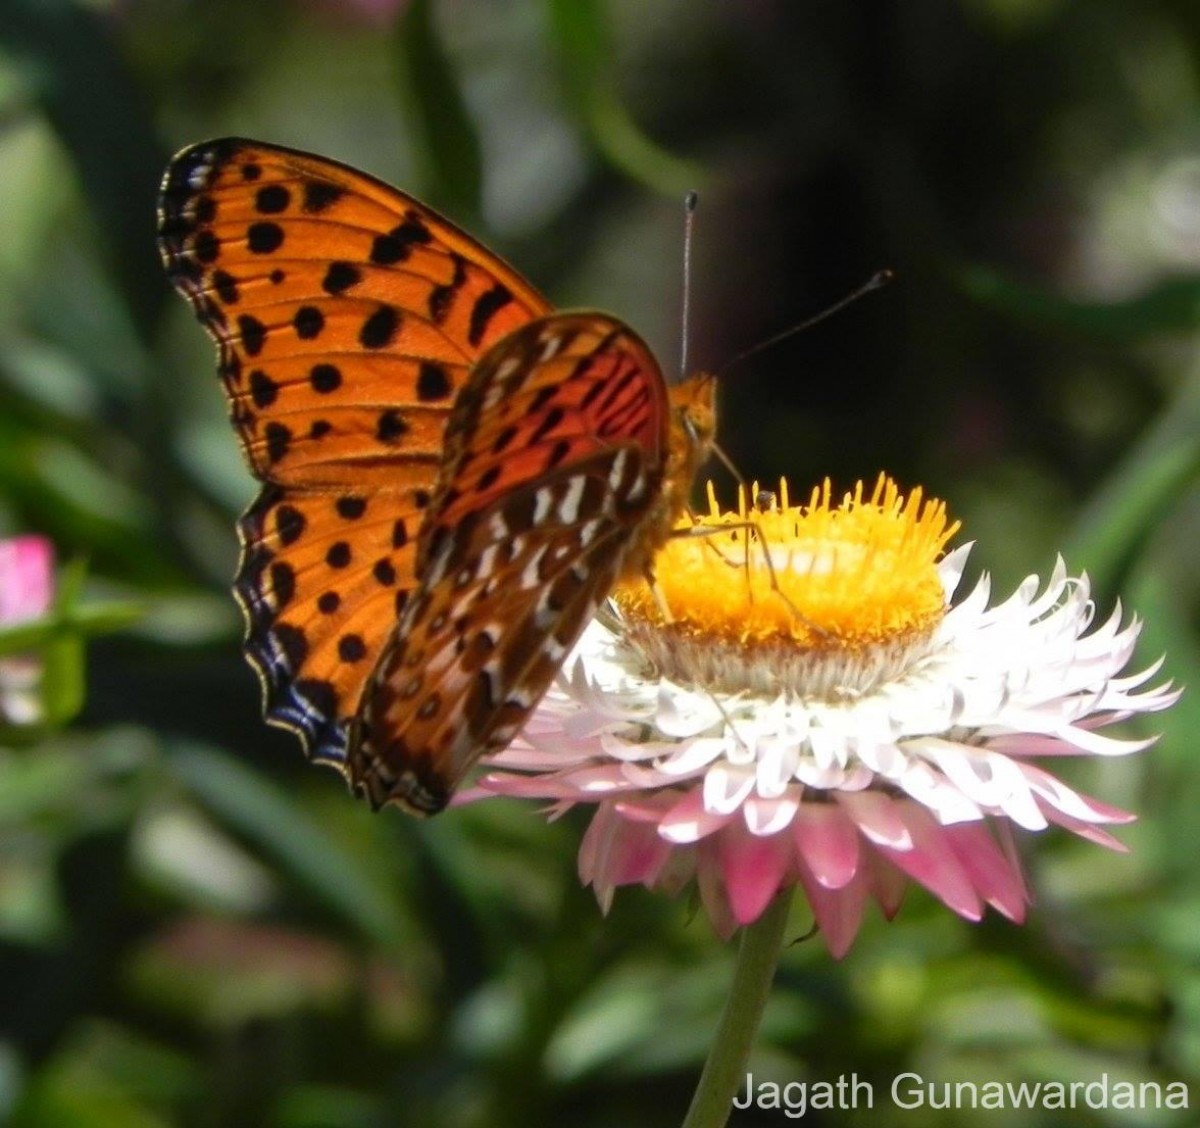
453,476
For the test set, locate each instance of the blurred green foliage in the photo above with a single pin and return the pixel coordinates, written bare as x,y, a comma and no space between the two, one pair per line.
196,928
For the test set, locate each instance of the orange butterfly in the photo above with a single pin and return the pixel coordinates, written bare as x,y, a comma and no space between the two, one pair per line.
454,476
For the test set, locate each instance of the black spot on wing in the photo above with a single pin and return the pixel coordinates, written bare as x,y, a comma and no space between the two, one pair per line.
226,286
328,602
206,247
308,322
486,306
253,333
391,426
279,439
283,583
397,244
289,524
433,382
380,328
548,422
263,390
264,238
325,378
319,195
350,508
340,277
272,199
351,648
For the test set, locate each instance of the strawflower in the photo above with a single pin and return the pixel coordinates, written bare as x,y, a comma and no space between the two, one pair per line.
819,711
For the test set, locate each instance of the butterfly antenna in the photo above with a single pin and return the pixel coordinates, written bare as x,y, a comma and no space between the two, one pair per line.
689,214
878,279
727,462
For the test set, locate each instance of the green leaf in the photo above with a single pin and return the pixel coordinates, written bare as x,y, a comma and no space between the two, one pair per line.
1171,306
103,618
1165,631
264,813
447,144
72,67
1125,510
581,37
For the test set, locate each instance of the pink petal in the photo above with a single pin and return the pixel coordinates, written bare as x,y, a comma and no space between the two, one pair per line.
877,816
647,808
530,787
726,787
933,863
828,843
26,578
996,879
838,912
714,891
595,842
765,817
1052,791
597,780
888,884
753,869
540,759
678,868
1085,830
689,821
1031,744
635,855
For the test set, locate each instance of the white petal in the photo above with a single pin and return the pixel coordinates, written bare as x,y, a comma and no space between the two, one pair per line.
726,787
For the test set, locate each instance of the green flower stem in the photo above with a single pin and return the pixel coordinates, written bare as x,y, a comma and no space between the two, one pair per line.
725,1070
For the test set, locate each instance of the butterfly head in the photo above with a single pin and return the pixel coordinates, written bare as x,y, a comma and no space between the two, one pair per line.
693,424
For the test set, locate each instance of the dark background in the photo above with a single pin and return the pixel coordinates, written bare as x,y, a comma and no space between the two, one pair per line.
196,928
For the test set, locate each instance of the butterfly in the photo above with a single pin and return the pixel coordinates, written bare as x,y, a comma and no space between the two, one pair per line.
454,475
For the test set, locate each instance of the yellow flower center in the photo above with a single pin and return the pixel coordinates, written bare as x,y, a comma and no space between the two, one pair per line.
815,597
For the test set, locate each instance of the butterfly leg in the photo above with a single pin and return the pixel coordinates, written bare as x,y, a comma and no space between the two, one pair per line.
753,531
660,600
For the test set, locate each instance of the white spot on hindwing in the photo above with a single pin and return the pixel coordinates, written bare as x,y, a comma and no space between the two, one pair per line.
618,470
568,510
487,560
542,500
498,388
551,347
530,577
587,531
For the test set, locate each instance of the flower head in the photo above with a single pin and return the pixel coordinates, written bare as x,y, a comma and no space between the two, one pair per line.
26,591
815,710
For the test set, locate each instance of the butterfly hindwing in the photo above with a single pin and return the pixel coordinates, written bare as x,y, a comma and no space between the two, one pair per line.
555,454
321,580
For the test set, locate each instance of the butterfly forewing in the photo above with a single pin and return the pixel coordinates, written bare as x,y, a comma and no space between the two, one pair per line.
555,453
347,316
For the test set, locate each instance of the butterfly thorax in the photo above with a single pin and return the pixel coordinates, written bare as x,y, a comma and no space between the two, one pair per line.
691,430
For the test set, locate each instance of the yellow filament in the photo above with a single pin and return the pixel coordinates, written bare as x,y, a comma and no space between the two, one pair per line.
854,574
